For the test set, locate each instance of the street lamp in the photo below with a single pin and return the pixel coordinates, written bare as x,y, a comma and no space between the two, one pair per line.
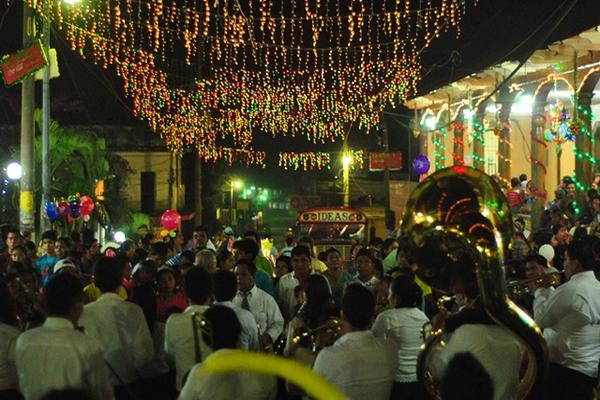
13,171
234,184
347,161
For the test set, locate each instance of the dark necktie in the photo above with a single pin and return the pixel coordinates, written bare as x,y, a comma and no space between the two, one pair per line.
245,304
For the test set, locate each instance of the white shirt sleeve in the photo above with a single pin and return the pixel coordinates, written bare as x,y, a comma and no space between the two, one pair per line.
275,319
380,326
552,306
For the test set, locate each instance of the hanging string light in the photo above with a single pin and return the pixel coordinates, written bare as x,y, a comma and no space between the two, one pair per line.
280,67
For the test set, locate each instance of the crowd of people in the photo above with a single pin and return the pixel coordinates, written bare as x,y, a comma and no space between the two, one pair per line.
84,320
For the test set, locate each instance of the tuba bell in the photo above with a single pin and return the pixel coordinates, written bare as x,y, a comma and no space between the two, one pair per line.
459,214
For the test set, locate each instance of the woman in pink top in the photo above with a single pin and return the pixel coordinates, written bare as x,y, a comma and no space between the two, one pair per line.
168,295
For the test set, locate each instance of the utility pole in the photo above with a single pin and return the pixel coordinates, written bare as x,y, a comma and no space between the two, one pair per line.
44,225
27,198
389,223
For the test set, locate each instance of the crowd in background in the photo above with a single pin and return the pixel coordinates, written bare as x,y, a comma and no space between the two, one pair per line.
136,320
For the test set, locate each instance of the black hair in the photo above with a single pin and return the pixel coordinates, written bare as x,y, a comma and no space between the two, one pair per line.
583,250
165,270
247,246
332,250
378,266
366,253
306,239
189,254
322,256
466,379
289,240
160,249
225,285
224,328
580,233
201,228
140,254
287,260
66,240
126,245
515,182
298,289
61,293
49,235
108,272
318,301
253,234
538,259
250,265
300,250
67,394
376,241
592,193
388,242
30,246
198,285
20,247
407,291
358,305
522,177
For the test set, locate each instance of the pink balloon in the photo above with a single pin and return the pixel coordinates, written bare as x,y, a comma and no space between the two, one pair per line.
170,220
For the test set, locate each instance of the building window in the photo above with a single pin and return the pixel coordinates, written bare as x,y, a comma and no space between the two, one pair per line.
491,153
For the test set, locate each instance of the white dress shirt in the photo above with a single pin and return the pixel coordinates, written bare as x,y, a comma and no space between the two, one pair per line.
8,369
403,326
361,365
498,351
570,317
56,356
228,385
121,329
249,339
285,295
265,310
179,342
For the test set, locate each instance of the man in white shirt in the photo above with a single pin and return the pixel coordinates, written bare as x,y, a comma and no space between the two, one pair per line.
262,305
570,317
56,355
289,281
226,329
316,265
225,286
179,331
361,365
120,328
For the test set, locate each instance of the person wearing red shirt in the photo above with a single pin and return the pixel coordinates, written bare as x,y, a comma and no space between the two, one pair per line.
515,196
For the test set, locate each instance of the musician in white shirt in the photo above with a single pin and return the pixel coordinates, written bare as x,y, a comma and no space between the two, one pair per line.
262,305
402,323
570,317
225,286
56,355
361,365
179,331
119,326
225,329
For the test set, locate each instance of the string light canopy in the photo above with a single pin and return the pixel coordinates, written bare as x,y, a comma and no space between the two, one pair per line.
286,67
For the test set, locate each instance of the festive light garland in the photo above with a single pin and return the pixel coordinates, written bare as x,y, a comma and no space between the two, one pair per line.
478,134
308,161
279,67
439,151
460,142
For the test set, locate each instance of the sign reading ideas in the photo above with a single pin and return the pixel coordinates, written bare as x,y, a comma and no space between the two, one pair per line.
332,215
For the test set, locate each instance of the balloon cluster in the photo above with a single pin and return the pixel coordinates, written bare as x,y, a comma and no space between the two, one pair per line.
72,207
170,220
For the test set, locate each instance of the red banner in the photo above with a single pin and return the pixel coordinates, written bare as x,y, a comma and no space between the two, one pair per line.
380,161
16,67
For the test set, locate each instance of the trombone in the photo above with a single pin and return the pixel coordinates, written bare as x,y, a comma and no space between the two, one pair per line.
520,287
309,337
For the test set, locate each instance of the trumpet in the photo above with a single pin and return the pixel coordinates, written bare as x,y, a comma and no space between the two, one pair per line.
520,287
310,337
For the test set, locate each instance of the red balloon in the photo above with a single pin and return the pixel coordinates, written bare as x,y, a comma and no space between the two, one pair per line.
87,205
170,220
63,208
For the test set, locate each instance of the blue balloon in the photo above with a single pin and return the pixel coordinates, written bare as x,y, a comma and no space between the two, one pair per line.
51,210
421,164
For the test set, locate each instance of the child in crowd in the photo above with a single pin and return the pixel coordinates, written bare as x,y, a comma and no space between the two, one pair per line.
168,295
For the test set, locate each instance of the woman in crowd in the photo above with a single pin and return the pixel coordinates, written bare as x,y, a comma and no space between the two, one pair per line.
402,323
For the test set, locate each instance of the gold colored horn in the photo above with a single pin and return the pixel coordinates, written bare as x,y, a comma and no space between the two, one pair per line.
460,214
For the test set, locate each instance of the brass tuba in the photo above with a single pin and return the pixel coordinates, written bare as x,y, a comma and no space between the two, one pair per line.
459,214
